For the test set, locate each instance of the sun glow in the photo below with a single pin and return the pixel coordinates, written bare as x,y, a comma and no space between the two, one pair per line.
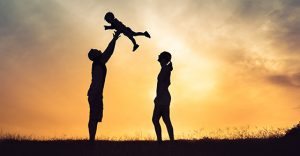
235,64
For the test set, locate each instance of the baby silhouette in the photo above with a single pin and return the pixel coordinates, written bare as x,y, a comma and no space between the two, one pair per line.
119,26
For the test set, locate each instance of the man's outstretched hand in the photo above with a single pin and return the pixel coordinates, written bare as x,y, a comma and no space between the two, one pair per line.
110,48
116,35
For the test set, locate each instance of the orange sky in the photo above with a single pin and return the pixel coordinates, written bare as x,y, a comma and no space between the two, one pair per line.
236,63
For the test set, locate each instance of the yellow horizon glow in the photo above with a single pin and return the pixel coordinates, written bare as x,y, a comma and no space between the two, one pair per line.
223,61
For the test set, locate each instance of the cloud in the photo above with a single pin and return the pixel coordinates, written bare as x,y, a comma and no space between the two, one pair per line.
231,47
286,80
284,29
24,21
34,37
259,38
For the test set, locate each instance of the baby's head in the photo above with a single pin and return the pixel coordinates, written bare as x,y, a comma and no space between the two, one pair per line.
109,17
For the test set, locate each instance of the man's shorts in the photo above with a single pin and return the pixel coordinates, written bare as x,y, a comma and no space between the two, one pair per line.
96,108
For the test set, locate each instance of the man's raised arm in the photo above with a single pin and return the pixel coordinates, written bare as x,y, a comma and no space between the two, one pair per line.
110,48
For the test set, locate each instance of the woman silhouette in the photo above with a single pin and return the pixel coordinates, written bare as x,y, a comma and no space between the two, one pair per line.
163,97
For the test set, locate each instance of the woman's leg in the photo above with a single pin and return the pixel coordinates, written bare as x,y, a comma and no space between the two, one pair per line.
167,120
155,119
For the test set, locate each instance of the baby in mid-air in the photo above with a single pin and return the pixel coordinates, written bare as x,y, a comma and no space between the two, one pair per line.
119,26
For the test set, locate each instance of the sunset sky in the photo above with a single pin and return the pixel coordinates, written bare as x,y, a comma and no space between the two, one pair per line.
236,63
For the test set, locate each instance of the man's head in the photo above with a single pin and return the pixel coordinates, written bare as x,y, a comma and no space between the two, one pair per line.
93,54
164,57
109,17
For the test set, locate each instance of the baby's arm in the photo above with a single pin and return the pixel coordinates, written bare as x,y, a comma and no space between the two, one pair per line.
106,27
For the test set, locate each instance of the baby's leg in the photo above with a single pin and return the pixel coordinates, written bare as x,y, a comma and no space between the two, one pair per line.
131,32
141,34
135,45
138,34
132,39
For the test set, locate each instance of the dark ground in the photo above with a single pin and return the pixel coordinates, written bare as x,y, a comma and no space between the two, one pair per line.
242,147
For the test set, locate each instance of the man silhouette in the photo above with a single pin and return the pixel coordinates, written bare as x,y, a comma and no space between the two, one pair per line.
95,93
163,98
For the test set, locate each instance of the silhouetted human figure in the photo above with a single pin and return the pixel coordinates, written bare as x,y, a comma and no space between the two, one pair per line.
163,96
119,26
95,93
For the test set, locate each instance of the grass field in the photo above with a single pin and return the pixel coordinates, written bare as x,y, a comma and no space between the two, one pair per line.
282,145
209,147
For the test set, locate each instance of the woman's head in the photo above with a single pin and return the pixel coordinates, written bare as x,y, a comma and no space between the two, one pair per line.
93,54
109,17
164,57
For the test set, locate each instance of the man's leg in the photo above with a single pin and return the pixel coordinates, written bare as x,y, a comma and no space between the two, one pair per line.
96,113
92,129
155,119
167,120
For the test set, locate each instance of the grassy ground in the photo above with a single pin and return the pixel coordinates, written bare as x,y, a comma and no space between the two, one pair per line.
270,145
210,147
